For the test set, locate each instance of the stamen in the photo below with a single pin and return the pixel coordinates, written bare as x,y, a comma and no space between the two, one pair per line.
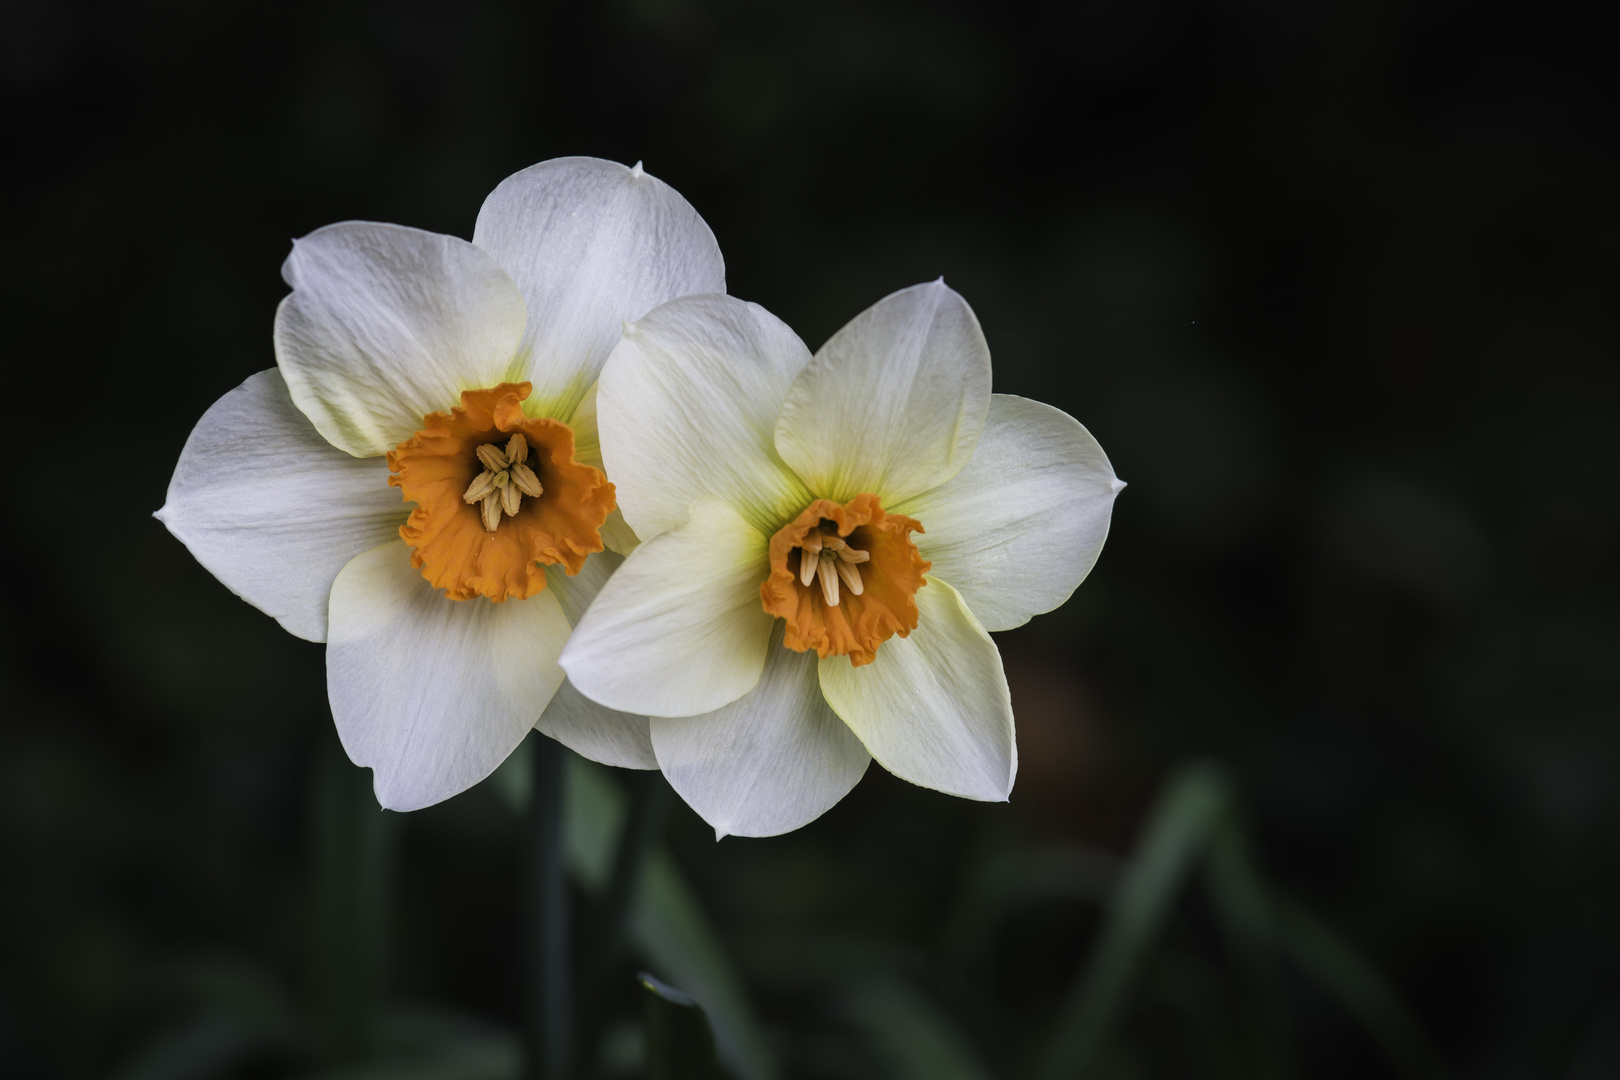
517,450
829,579
491,456
851,576
491,510
527,482
867,572
511,499
461,471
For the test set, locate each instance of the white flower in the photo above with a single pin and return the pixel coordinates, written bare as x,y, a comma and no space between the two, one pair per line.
776,495
415,367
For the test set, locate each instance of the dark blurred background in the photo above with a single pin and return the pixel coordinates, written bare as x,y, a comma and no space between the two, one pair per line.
1332,284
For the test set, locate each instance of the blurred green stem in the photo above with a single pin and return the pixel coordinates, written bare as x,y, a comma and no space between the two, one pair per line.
649,803
353,843
1194,804
547,1027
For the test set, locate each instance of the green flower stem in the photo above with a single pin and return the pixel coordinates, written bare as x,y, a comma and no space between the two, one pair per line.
354,843
649,805
548,1021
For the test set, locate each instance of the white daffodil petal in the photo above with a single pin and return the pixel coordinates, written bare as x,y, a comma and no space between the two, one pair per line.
894,402
272,509
1022,524
933,708
678,629
591,244
596,731
430,693
576,592
592,730
386,324
616,532
687,407
771,761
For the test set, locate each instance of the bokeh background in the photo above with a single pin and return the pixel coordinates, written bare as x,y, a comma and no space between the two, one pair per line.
1333,283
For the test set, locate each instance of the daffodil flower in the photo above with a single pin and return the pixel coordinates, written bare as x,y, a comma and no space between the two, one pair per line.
825,542
417,368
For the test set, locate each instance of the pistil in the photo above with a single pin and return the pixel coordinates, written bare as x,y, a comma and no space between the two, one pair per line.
503,483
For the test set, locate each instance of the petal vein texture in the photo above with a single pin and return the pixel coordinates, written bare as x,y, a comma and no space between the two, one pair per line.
678,629
591,730
591,244
687,408
432,694
272,509
386,324
933,708
773,760
1021,525
894,402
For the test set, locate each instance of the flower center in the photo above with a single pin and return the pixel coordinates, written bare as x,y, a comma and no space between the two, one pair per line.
498,497
503,483
844,576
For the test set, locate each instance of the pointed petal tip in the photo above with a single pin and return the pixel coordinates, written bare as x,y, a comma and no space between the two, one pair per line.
1117,485
636,171
720,834
159,512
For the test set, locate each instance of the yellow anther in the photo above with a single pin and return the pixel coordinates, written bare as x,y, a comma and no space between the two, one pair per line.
490,509
482,485
491,457
526,481
829,579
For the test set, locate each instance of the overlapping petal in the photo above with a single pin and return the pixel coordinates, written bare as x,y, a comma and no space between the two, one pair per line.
687,408
597,732
386,324
429,693
274,510
591,244
1018,529
616,532
678,630
773,760
894,402
592,730
933,708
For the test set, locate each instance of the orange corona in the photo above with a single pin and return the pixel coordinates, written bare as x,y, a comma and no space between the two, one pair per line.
498,496
845,577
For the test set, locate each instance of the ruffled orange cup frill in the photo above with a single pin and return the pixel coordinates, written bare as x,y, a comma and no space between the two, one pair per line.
448,540
857,625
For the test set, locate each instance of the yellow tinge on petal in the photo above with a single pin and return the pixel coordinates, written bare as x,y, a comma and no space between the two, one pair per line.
845,577
498,497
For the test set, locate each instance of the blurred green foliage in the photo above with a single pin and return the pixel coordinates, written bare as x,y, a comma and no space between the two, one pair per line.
1333,286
